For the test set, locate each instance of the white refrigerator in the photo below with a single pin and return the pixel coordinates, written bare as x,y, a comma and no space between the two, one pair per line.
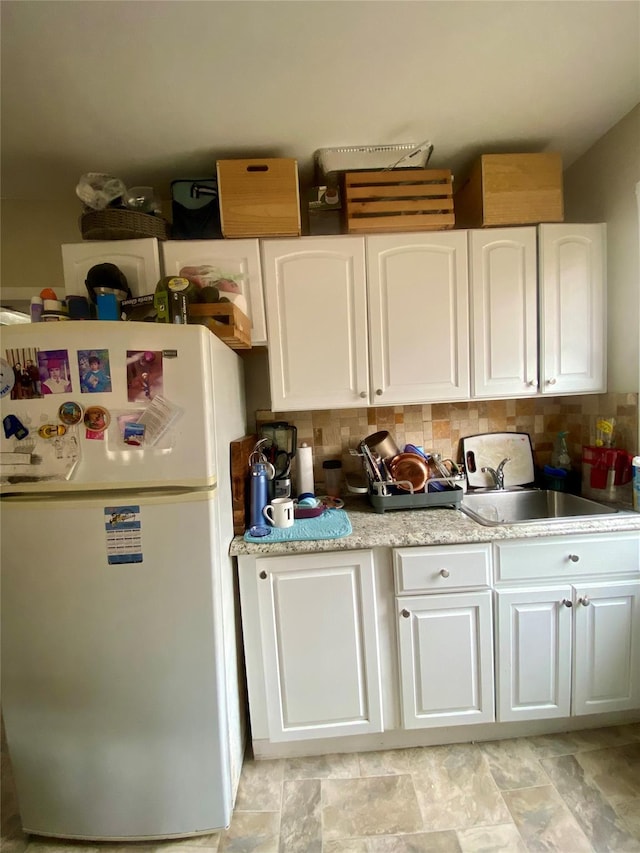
121,668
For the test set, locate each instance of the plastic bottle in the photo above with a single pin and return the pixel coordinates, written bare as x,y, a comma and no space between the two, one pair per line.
635,462
332,470
560,457
36,308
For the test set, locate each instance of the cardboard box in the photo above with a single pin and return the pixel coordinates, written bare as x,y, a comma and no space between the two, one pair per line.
259,198
511,189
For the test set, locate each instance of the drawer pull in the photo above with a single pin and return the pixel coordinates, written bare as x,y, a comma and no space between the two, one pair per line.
263,576
585,601
363,394
405,613
444,573
567,602
574,558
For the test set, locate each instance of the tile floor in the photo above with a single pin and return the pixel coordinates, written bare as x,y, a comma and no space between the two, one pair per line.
570,793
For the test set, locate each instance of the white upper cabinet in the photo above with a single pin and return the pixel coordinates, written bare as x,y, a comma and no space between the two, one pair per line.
139,260
418,317
504,312
315,294
237,260
572,308
345,334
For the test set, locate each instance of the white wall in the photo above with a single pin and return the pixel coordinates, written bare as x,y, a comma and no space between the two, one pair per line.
32,233
601,187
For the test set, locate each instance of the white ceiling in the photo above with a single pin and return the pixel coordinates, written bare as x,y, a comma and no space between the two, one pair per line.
154,91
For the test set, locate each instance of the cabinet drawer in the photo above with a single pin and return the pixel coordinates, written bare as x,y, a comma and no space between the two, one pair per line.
437,569
564,557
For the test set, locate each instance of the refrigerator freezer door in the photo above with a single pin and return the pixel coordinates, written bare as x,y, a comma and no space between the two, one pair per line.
112,681
180,362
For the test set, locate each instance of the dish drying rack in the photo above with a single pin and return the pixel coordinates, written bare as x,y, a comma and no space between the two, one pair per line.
386,493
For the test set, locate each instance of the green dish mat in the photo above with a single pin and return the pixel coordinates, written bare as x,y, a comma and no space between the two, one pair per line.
332,524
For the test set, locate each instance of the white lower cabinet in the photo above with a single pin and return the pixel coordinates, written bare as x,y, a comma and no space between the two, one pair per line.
319,643
607,647
571,648
444,640
533,672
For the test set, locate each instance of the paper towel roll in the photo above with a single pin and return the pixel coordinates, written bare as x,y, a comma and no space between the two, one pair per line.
304,469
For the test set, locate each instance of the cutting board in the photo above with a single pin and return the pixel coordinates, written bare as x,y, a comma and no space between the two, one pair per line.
489,449
240,451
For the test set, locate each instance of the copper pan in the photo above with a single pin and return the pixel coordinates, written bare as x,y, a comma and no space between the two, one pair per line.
411,467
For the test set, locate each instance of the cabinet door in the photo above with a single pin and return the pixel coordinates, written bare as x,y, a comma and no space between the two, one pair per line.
504,334
418,317
139,260
534,653
446,659
238,260
607,648
315,293
320,645
572,308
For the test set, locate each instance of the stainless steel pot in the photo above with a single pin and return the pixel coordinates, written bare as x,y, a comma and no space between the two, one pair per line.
383,444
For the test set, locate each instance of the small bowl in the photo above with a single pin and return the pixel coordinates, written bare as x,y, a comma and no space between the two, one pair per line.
308,511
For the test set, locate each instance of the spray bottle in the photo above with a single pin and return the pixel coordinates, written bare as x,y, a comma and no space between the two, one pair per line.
560,457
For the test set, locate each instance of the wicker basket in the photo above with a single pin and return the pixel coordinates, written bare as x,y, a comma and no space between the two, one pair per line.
120,224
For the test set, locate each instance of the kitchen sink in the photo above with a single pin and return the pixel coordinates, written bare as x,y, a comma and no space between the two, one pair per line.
528,506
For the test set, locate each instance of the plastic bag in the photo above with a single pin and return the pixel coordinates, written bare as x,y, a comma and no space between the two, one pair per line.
98,191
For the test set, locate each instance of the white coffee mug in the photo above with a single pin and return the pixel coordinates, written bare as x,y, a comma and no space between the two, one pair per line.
280,512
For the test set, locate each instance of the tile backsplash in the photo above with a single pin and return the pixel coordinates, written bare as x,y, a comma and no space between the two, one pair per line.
439,427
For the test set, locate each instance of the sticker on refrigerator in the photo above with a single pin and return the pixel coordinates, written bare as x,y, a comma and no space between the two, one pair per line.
95,371
144,375
23,363
53,368
124,534
7,378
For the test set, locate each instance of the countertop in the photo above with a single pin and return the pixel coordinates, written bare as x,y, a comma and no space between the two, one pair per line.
433,526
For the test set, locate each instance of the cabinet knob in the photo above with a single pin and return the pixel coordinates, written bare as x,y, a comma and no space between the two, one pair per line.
567,602
378,392
444,573
363,394
585,601
551,381
533,383
574,558
263,576
405,613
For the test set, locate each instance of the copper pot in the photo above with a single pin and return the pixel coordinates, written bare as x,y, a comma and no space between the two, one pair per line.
411,467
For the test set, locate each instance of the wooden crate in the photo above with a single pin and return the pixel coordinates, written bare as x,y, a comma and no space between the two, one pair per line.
511,189
400,200
225,320
259,198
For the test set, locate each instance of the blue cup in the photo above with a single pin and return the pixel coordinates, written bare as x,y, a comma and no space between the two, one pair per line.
107,305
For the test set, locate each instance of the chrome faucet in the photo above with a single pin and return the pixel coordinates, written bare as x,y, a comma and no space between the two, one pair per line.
497,473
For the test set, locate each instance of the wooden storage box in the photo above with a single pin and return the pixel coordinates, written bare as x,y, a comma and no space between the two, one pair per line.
511,189
259,198
398,200
225,320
